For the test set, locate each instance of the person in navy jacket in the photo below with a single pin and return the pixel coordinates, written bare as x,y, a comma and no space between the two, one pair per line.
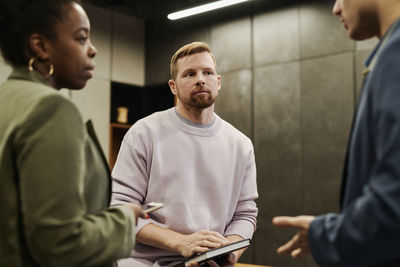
367,231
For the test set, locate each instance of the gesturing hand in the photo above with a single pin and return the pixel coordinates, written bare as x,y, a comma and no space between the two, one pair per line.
298,246
200,242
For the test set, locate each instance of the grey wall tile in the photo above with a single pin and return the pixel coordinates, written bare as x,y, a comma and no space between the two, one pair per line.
276,36
234,100
277,130
94,103
327,110
231,44
277,127
277,122
321,32
100,22
128,49
161,48
368,44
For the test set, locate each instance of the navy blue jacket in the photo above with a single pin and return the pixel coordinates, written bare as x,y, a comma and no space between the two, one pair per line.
367,231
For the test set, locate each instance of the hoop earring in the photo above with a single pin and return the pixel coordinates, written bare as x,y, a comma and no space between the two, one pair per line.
51,71
30,64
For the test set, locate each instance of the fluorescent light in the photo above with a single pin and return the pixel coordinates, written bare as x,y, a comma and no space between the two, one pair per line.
203,8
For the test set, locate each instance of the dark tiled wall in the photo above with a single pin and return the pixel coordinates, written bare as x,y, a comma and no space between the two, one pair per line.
289,82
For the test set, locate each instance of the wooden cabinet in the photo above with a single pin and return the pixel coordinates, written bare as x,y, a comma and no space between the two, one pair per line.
117,133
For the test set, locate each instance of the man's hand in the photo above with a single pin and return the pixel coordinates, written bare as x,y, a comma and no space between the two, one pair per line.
233,257
200,242
186,245
298,246
227,260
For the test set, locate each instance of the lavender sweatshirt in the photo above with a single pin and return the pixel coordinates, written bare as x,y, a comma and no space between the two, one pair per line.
206,177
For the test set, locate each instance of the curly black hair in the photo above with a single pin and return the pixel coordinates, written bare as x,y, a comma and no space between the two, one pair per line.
20,18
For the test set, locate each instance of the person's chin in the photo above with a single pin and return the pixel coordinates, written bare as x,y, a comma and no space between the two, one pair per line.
78,85
357,36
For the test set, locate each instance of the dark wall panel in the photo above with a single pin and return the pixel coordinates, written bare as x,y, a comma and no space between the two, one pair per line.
234,100
327,108
277,125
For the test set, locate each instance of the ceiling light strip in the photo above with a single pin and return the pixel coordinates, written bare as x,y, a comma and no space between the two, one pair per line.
203,8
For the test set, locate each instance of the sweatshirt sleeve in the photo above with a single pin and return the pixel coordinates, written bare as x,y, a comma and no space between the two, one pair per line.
130,173
50,159
245,216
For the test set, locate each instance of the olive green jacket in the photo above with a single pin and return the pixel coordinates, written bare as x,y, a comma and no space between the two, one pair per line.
54,183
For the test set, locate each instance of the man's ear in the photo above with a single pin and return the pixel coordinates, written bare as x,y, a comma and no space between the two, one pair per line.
219,82
172,86
39,46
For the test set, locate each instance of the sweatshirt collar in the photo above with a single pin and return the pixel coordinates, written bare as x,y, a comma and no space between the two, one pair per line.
195,130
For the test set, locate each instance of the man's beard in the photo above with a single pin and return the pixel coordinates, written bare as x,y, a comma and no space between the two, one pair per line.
199,101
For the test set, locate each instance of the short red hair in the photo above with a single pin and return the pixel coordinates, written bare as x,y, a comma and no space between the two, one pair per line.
186,50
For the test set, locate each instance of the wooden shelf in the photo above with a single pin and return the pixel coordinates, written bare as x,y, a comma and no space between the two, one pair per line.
117,133
120,125
249,265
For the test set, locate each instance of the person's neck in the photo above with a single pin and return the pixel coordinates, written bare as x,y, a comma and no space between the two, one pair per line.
387,15
43,70
196,115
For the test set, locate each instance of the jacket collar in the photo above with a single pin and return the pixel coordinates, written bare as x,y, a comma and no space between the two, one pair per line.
370,62
22,73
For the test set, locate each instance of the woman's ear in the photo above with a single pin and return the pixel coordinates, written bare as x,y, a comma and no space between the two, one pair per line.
38,45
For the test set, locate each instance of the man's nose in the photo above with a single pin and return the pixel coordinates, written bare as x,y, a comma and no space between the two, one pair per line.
337,9
200,80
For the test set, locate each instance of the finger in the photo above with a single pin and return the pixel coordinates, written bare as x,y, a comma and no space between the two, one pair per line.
212,263
143,215
226,242
231,259
302,222
297,253
218,240
193,264
285,221
208,244
199,249
137,210
212,234
291,245
222,239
